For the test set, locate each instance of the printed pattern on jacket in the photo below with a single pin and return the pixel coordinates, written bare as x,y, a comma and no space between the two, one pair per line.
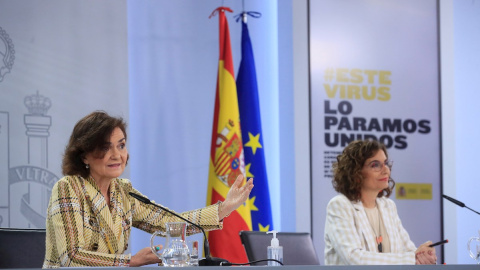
82,230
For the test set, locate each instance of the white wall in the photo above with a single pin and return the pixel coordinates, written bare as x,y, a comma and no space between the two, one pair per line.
460,43
72,56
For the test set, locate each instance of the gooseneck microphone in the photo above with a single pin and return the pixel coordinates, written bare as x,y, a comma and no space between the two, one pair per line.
208,261
459,203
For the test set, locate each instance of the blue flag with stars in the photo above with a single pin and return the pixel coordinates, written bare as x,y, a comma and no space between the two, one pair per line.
252,137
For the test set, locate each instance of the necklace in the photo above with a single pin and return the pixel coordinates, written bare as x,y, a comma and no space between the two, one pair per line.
378,238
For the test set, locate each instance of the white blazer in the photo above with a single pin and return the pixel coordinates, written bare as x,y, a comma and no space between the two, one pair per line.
350,240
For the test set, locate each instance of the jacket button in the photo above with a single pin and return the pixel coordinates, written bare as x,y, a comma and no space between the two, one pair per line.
91,221
95,247
128,222
126,247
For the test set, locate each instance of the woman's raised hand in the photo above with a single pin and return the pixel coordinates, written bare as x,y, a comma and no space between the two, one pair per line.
236,196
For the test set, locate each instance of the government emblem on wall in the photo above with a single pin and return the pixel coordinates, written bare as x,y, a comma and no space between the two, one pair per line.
25,190
7,54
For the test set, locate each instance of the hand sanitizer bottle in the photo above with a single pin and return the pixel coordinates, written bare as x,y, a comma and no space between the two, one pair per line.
274,251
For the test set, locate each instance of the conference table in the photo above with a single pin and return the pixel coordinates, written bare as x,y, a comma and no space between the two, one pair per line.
310,267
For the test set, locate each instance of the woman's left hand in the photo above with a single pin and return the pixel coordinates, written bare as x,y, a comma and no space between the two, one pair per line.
236,196
144,257
425,254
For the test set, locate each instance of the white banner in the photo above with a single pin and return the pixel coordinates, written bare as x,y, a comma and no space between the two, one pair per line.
374,75
60,61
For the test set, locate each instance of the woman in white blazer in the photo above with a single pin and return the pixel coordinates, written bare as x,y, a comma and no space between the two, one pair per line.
362,224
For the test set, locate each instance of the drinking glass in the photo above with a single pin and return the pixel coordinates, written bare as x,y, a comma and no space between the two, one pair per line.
193,248
474,252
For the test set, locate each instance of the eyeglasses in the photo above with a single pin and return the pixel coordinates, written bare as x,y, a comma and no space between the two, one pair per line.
378,166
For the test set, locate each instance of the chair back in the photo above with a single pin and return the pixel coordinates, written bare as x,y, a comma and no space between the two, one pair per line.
298,247
22,248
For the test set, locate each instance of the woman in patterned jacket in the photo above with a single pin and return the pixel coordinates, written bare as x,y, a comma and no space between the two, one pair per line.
91,213
362,224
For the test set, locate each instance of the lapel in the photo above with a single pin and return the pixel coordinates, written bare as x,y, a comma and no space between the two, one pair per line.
121,221
364,226
108,227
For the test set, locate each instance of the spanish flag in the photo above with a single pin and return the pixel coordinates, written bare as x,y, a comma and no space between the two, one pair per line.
226,154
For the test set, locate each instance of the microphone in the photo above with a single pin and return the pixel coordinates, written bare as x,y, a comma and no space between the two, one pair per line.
459,203
208,261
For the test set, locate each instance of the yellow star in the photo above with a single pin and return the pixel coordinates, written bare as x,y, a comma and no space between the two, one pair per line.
263,229
254,142
247,170
251,203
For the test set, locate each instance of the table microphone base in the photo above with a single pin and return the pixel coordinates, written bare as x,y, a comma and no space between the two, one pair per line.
212,261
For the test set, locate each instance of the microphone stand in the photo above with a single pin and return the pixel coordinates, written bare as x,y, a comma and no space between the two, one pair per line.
208,261
459,203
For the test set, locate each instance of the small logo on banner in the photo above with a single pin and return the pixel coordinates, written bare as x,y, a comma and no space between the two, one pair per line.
413,191
7,53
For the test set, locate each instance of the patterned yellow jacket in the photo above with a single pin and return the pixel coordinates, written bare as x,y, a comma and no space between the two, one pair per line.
83,231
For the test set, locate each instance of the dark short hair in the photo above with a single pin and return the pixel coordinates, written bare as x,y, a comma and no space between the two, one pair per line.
347,171
90,135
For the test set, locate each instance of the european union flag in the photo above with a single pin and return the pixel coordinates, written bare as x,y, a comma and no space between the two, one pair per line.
252,137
